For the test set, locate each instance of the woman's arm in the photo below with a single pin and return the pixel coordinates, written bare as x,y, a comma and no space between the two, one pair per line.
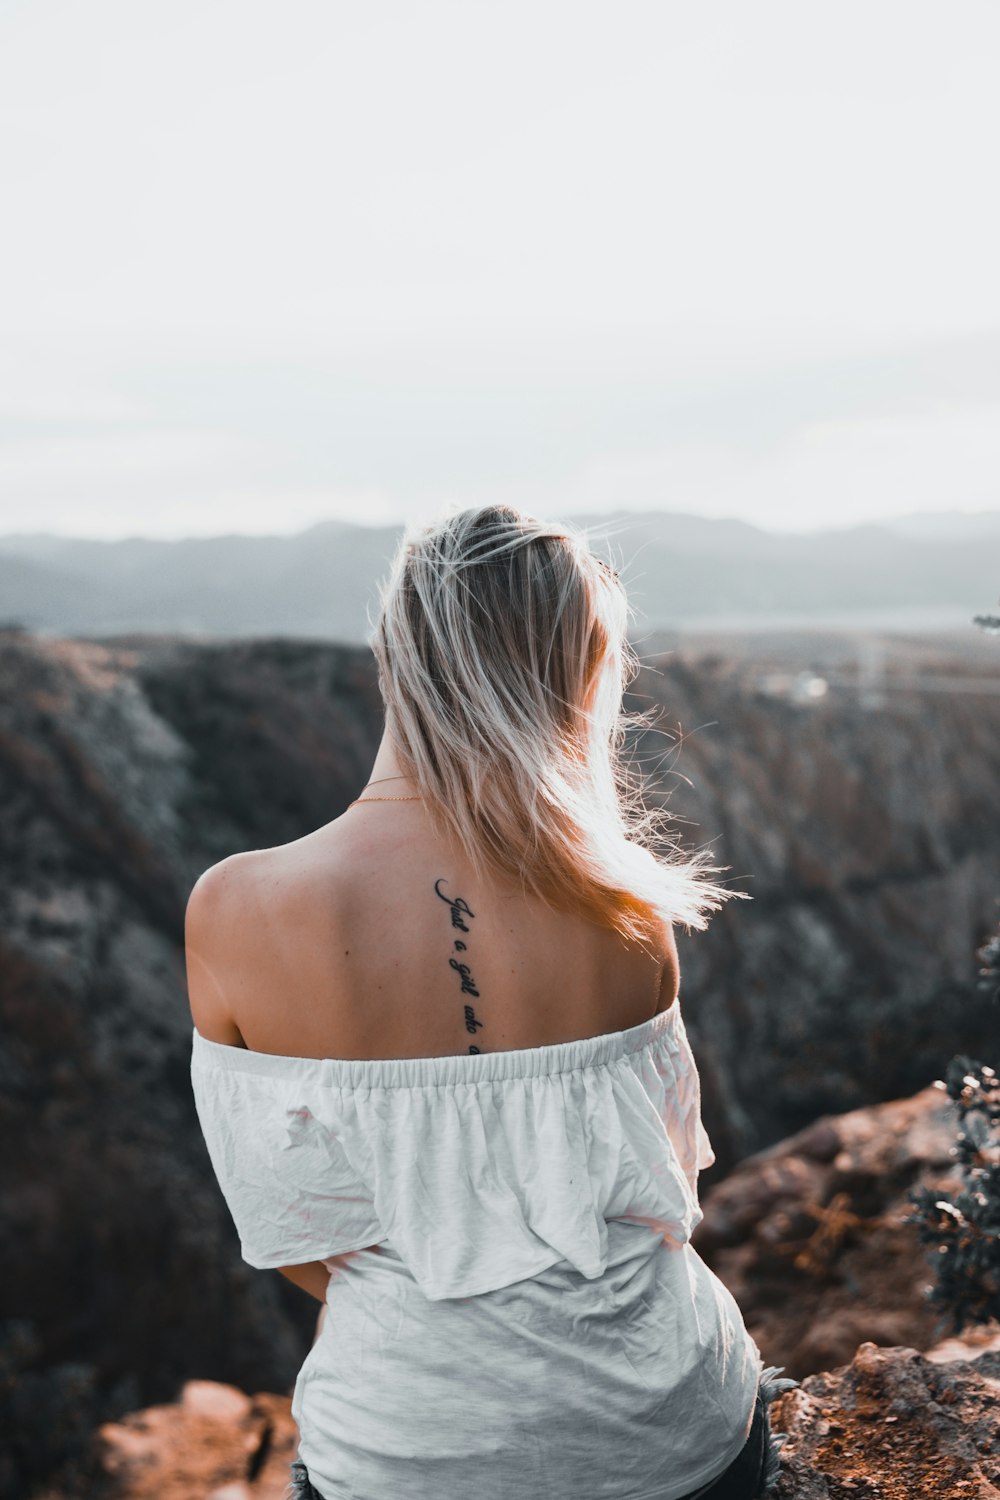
207,927
313,1277
209,935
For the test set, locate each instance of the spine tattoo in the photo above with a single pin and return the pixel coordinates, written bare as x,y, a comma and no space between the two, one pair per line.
459,910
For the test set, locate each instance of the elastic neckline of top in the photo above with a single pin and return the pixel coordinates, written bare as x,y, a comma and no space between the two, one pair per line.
465,1067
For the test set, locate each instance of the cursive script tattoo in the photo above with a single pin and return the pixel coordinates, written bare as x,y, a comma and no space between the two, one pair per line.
459,910
468,985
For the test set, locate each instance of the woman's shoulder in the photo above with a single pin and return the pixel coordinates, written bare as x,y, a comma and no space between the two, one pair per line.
230,893
250,919
219,894
222,926
206,918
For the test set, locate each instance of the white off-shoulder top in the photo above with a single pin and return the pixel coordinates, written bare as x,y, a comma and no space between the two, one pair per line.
514,1308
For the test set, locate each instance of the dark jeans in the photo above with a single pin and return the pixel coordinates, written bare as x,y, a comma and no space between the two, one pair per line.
752,1474
754,1471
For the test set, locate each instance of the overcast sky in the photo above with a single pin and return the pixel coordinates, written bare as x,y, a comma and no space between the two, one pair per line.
264,264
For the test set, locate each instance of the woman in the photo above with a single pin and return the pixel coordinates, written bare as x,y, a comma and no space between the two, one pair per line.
445,1082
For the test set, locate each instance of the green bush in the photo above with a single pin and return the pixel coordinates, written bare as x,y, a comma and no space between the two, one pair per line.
965,1229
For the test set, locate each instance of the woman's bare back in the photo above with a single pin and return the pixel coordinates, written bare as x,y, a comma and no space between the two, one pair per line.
372,938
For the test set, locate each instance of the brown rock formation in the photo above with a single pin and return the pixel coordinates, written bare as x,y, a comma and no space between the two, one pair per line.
215,1443
894,1425
810,1235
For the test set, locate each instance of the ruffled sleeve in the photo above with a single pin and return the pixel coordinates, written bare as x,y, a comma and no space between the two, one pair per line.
290,1189
670,1076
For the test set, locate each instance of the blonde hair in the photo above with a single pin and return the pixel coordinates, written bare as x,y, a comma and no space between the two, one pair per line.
503,655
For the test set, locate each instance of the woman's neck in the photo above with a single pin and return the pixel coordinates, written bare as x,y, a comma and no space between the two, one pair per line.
387,766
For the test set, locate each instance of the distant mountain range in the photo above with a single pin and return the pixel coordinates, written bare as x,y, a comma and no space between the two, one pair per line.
683,572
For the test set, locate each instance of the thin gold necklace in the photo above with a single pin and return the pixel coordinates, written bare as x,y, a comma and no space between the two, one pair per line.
384,799
378,782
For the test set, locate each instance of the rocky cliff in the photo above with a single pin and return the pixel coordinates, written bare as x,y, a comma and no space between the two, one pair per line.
869,840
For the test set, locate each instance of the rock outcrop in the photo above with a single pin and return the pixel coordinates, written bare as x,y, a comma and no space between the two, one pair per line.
895,1425
811,1236
214,1443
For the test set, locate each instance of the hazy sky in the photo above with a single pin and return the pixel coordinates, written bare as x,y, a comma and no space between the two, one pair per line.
263,264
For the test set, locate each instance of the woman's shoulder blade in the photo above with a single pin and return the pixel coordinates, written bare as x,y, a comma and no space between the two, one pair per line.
344,947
